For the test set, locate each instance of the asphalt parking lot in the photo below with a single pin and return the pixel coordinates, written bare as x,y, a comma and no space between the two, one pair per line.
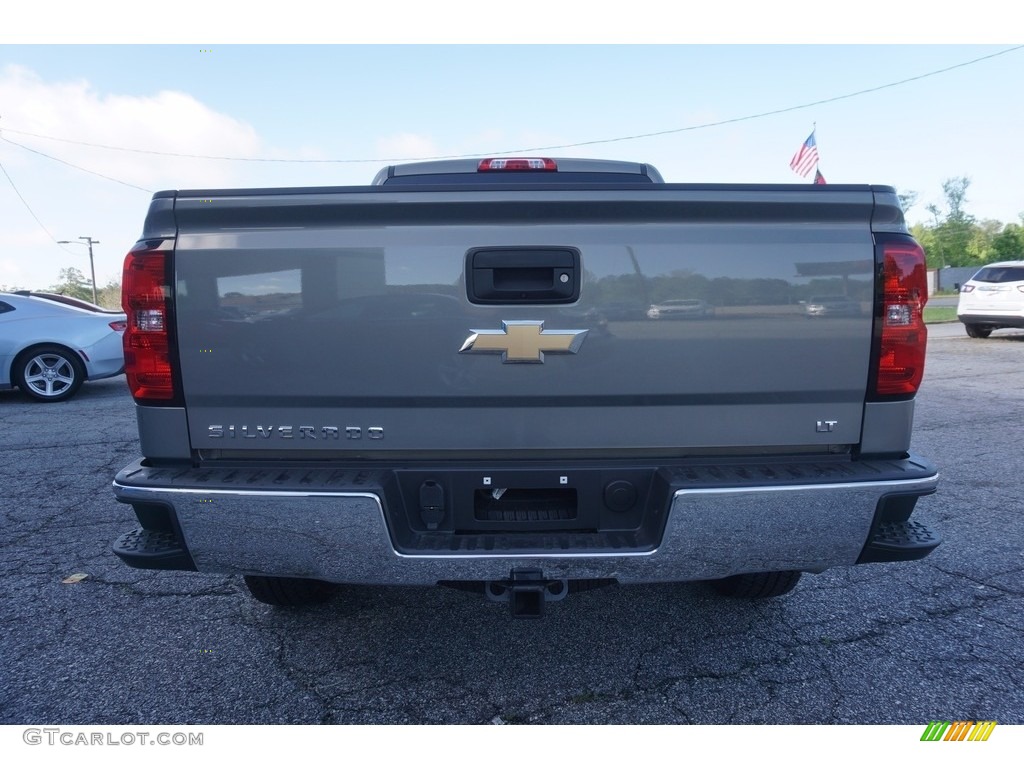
886,643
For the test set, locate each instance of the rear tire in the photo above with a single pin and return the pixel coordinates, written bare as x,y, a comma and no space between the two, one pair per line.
757,586
977,331
288,592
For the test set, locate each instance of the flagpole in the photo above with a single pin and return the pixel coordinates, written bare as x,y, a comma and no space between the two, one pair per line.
817,165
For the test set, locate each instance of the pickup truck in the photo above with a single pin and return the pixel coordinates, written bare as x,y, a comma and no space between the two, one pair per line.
450,377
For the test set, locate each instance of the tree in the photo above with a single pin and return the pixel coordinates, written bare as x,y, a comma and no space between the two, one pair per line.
907,199
1009,244
925,235
955,190
957,231
110,295
73,283
954,239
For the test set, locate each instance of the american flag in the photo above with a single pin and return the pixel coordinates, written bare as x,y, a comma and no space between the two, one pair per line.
806,157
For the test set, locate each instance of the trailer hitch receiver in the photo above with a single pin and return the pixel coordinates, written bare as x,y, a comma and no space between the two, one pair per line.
526,590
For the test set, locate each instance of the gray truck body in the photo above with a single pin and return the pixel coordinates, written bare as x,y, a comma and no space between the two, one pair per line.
423,382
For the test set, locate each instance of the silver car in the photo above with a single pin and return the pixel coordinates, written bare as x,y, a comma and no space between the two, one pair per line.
832,306
48,349
680,309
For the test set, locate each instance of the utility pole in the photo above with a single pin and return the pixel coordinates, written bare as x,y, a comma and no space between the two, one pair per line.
92,267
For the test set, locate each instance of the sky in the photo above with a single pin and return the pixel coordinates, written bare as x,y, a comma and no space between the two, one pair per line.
726,113
420,80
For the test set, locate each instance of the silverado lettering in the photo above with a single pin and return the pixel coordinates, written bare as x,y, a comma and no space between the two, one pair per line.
219,431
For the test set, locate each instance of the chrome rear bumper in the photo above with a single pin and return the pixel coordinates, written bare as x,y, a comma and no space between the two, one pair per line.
343,536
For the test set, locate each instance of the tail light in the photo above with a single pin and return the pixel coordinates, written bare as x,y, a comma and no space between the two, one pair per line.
118,325
145,297
904,336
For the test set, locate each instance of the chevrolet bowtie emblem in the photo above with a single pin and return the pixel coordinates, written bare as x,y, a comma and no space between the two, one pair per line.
523,341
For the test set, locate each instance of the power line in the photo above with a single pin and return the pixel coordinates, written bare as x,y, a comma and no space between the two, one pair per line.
72,165
31,212
775,111
526,149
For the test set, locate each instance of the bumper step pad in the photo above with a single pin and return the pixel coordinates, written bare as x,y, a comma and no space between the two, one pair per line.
159,550
900,541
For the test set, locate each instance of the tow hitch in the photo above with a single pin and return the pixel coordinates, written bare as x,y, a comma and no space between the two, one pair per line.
526,591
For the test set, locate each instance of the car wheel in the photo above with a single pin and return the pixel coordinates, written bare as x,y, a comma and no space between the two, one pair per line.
756,586
49,374
977,331
289,592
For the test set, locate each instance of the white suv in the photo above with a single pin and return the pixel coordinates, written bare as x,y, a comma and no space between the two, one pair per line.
993,298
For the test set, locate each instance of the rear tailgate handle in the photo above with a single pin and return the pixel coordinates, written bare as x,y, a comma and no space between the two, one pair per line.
523,275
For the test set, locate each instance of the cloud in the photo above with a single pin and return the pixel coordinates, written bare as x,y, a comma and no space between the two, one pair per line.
169,121
69,202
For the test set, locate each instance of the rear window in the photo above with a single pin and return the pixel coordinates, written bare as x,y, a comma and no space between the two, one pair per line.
1000,275
5,307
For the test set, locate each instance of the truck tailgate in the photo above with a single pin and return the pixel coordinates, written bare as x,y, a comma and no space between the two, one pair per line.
340,322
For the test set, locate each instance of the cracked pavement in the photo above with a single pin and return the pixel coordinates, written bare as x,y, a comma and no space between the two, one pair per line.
885,643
